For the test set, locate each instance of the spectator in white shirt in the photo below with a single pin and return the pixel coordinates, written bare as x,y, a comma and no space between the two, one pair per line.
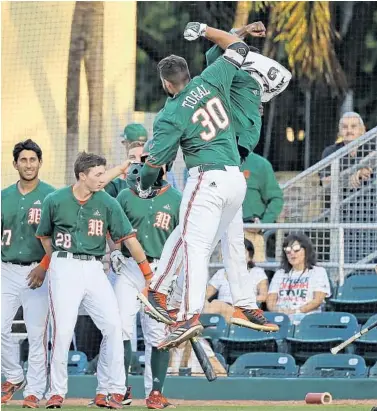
258,284
299,287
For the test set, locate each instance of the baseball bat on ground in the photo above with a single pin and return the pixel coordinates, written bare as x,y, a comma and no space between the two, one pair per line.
203,359
355,337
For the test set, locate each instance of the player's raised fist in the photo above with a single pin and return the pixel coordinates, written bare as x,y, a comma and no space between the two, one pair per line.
256,29
194,30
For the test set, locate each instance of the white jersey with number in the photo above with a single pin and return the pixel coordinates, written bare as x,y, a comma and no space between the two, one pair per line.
271,75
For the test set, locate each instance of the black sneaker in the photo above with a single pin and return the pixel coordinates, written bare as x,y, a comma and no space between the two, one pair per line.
181,332
252,319
155,305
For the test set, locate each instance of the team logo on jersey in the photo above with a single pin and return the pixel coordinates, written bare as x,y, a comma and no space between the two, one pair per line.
34,215
167,207
97,213
95,227
162,221
38,202
246,173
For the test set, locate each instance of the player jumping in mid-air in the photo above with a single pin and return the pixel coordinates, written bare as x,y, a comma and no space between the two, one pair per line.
73,227
260,80
23,267
154,218
198,117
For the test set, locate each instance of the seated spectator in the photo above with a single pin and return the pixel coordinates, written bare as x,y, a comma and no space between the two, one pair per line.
263,201
299,287
351,127
219,284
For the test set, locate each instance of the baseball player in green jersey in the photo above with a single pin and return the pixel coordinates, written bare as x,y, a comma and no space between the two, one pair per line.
259,80
197,117
154,218
135,149
22,275
73,227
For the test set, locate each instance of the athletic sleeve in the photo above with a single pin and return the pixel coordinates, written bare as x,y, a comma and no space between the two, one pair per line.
45,227
275,282
220,74
213,54
119,225
163,150
321,281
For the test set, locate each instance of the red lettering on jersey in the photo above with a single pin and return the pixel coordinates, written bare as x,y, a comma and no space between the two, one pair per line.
95,227
34,216
162,220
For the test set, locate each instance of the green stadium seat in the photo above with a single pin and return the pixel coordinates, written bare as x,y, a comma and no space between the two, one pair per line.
215,326
366,346
77,363
319,332
334,366
358,296
373,371
264,365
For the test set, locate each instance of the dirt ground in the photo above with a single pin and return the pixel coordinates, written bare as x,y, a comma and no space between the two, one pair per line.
77,402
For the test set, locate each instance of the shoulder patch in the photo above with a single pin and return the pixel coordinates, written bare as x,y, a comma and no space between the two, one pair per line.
246,173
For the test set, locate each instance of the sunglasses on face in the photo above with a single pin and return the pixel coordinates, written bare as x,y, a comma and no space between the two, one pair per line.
296,248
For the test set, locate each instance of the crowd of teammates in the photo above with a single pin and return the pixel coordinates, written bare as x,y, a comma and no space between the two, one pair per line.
214,118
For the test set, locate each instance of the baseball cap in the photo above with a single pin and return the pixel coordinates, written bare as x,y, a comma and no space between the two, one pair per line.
135,132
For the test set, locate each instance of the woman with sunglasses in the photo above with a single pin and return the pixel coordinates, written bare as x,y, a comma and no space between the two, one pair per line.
219,284
299,287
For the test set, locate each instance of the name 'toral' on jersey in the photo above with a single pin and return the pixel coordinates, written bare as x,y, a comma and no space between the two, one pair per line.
199,120
81,228
154,219
20,216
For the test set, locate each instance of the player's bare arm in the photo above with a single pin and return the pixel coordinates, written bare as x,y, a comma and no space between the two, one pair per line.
138,254
37,275
256,29
115,172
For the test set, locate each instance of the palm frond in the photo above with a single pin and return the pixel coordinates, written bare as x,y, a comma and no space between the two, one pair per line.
305,29
244,8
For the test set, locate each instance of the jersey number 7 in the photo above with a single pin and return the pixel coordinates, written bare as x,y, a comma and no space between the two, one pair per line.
213,114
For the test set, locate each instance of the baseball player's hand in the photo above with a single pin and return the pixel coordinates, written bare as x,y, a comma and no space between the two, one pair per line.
117,260
36,277
256,29
124,166
194,30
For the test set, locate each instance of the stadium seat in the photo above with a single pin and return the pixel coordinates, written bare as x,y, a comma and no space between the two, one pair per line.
215,327
334,366
77,363
366,346
242,340
264,365
373,371
358,296
319,332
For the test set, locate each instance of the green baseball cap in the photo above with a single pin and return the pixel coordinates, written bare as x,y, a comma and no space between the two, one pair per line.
135,132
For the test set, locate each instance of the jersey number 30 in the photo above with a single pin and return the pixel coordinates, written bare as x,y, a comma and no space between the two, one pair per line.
213,114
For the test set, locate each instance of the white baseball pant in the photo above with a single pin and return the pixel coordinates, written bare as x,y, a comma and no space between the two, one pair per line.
211,209
72,282
127,286
15,293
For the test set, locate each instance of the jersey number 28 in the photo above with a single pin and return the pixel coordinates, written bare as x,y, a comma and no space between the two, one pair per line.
63,240
213,114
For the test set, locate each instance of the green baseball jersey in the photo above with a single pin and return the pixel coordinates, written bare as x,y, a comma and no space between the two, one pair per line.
81,228
116,186
199,120
20,216
264,197
153,218
245,98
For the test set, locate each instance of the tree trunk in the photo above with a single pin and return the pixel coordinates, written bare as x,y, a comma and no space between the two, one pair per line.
86,42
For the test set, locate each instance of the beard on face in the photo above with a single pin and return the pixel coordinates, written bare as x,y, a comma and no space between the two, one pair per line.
29,177
166,90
